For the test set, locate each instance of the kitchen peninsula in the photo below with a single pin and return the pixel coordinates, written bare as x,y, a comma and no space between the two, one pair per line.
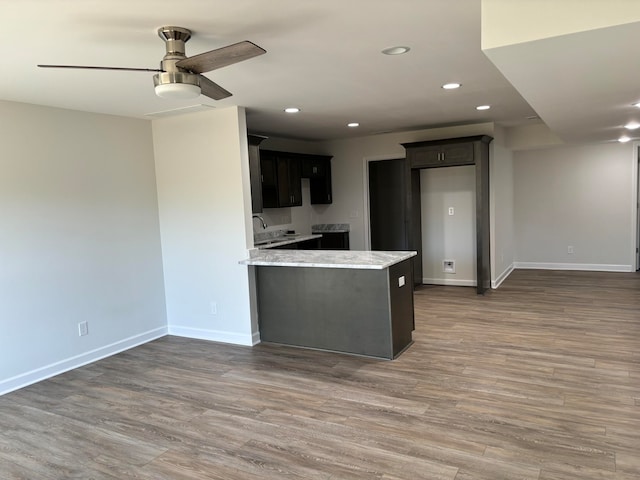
358,302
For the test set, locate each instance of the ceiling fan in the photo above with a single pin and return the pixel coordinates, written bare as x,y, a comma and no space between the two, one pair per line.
180,76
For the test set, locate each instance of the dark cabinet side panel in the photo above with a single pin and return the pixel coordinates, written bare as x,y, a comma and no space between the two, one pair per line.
255,172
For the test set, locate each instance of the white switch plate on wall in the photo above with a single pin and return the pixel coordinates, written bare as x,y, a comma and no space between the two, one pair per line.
83,329
451,211
401,281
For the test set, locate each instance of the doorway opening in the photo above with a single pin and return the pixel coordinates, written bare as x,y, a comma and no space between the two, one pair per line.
637,189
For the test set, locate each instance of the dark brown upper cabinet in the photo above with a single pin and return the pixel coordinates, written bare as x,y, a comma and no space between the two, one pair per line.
439,154
281,179
282,173
317,168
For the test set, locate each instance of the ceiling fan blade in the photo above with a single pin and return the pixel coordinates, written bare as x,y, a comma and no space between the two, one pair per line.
212,89
221,57
103,68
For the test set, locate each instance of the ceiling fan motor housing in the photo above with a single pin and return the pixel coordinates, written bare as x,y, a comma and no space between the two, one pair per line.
175,82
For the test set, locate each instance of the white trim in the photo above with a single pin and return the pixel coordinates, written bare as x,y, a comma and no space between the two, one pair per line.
593,267
255,338
502,277
48,371
449,281
213,335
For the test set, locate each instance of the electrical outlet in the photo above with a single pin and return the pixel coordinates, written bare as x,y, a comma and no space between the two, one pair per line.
83,329
451,211
570,249
213,308
449,266
401,281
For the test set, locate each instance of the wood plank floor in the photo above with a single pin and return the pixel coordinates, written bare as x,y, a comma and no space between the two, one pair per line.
539,379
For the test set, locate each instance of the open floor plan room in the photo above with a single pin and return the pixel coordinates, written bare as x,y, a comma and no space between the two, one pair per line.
539,379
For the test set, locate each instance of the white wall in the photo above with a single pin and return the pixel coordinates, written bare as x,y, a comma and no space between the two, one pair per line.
580,196
79,240
444,236
502,215
205,222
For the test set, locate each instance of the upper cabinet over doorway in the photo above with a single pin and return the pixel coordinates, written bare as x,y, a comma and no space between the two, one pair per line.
449,153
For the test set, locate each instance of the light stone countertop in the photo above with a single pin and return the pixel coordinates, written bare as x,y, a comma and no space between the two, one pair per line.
326,258
330,227
286,240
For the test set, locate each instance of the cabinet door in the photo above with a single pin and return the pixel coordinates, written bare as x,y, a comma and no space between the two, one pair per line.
320,183
441,155
295,181
269,180
423,157
289,181
458,154
316,167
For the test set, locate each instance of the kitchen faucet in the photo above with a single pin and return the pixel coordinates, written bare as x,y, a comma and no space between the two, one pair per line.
264,224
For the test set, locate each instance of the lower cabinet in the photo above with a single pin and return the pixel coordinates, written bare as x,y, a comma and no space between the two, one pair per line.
334,241
349,310
313,244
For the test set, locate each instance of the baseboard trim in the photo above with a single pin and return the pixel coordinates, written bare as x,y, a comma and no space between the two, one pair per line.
502,277
449,281
212,335
48,371
593,267
255,338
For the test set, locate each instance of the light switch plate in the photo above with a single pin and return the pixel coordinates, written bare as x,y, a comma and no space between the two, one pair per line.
401,281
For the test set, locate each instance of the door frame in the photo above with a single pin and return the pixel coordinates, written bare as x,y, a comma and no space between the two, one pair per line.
635,210
365,188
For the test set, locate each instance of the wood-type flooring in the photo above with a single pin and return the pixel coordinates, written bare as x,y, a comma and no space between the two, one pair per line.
539,379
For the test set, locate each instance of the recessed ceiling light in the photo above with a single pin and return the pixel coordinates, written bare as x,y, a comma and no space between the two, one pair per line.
632,125
292,109
451,86
399,50
353,124
624,139
483,107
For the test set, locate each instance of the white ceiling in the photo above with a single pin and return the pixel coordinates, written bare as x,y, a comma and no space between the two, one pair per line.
322,56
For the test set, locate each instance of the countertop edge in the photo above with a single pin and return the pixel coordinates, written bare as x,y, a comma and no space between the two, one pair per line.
353,263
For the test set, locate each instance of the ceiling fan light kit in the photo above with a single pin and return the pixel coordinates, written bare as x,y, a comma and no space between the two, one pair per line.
180,76
176,85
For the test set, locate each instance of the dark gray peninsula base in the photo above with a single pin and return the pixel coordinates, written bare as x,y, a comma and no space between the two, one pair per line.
352,302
